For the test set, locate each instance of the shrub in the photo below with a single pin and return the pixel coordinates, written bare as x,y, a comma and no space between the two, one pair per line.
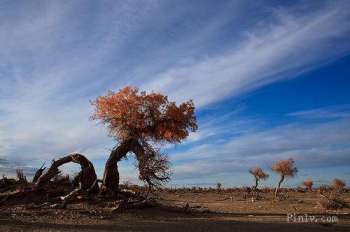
332,202
258,175
308,183
338,184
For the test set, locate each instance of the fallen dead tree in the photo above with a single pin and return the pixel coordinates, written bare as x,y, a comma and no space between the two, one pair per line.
51,187
49,183
86,178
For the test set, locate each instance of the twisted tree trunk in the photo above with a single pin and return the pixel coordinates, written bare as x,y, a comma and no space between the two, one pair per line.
110,180
87,180
145,155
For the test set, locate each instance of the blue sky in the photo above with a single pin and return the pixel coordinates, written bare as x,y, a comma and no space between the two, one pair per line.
270,80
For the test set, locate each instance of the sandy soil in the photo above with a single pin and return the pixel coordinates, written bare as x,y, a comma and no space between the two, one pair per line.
238,202
237,213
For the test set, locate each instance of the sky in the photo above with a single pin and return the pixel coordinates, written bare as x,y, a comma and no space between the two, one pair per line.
270,80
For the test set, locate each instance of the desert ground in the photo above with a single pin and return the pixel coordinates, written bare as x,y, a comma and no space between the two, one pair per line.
184,210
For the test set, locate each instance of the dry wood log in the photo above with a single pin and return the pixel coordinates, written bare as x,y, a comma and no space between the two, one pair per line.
87,177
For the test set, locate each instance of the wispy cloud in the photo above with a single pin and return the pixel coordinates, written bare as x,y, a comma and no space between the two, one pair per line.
274,50
334,112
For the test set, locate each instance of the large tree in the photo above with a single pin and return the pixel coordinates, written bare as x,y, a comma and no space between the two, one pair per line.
139,121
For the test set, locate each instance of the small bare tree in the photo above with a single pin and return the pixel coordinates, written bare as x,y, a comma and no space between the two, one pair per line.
258,175
338,184
285,168
308,184
218,186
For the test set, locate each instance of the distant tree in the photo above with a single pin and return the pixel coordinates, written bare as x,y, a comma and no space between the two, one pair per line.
218,186
285,168
308,184
258,175
139,121
338,184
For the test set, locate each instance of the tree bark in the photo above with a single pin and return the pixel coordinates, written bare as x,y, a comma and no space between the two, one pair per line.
279,185
110,182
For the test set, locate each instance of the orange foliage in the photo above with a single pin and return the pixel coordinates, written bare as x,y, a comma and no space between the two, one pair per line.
285,167
129,113
258,173
308,183
338,184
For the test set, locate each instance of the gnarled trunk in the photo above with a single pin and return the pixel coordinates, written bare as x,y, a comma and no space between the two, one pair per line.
110,180
87,180
145,155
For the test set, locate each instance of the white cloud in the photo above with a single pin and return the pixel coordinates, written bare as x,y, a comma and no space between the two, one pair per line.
334,112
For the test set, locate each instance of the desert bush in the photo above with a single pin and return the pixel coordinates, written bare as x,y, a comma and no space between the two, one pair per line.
7,183
21,177
308,184
258,175
338,184
333,201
